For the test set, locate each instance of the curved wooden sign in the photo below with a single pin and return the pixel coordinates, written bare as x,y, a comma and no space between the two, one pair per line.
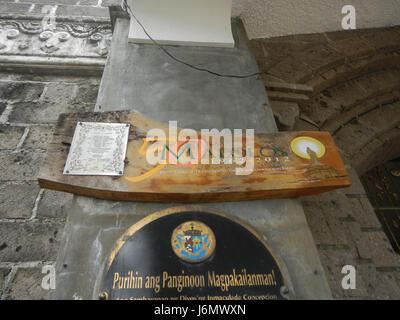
284,167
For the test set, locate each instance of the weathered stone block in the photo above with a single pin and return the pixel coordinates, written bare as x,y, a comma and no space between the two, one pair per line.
59,93
96,12
353,47
67,2
29,241
286,113
15,8
3,106
274,51
291,70
27,285
23,165
315,38
39,137
84,2
9,136
358,240
334,204
364,213
356,185
257,49
53,204
3,274
383,40
378,82
347,34
380,285
343,97
381,250
87,94
77,11
317,223
320,58
353,137
26,112
320,109
336,228
20,91
107,3
42,112
62,10
17,200
333,261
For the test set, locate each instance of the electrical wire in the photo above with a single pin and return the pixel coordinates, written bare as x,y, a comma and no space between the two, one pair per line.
184,62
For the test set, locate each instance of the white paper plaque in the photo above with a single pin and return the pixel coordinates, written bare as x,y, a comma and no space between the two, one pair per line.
98,149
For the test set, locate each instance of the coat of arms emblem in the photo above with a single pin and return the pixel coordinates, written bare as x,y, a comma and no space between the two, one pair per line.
193,241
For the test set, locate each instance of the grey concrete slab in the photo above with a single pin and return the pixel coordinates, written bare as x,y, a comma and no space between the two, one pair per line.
144,79
141,78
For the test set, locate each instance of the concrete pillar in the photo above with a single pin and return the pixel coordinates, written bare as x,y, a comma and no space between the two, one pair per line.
141,77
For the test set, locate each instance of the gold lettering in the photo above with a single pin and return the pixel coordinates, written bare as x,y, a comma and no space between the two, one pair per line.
116,277
165,278
153,282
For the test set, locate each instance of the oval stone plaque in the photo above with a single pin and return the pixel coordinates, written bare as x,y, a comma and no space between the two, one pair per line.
191,253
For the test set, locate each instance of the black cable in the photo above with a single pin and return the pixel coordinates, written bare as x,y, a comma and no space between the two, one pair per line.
184,62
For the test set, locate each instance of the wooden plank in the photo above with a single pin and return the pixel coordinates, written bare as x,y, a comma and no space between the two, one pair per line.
278,171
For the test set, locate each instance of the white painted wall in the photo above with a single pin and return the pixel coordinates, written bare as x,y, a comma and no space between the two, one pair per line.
271,18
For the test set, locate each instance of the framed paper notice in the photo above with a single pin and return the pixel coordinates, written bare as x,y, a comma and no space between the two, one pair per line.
98,149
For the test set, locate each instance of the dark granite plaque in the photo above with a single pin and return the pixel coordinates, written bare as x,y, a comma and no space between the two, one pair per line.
191,253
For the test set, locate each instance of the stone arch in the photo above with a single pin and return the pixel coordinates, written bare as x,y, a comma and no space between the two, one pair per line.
346,82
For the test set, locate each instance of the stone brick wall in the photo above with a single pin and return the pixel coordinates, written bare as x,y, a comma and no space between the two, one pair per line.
32,220
347,232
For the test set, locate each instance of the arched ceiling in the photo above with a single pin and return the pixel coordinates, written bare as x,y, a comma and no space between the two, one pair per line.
353,81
